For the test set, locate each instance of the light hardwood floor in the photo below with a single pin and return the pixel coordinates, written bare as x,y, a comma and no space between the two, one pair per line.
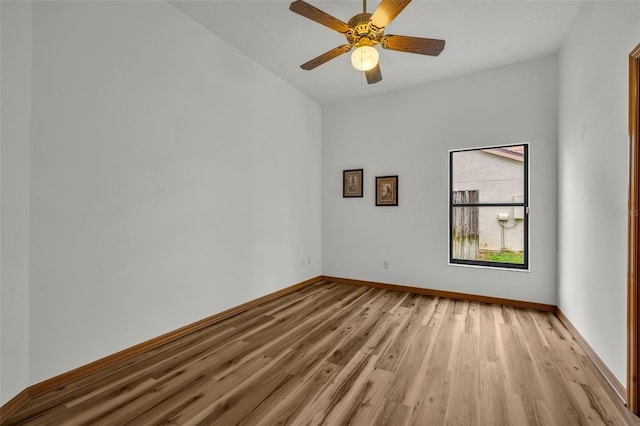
338,354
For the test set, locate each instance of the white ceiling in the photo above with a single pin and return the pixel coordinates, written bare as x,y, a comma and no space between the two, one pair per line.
479,35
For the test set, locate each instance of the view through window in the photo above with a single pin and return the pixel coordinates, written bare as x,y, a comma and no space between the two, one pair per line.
488,206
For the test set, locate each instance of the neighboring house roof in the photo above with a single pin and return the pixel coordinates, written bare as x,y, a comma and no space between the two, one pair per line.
511,152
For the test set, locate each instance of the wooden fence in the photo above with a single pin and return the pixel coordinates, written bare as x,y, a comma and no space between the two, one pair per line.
466,235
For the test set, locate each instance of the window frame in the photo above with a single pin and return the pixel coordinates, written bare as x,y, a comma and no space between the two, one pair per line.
524,267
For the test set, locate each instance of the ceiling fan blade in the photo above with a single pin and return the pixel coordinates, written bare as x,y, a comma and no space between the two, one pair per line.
311,12
374,75
387,11
326,57
422,46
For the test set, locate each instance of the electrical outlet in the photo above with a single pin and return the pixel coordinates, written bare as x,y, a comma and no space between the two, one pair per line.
308,260
386,264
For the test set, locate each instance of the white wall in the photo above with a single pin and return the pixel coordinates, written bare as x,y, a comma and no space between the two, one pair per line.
172,178
410,133
593,156
15,101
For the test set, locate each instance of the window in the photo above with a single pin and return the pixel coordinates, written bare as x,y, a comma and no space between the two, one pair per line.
489,206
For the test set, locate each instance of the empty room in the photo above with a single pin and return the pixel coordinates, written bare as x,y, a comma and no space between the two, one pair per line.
319,212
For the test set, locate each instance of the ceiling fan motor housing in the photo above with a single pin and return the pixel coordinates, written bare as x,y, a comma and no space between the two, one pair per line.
362,32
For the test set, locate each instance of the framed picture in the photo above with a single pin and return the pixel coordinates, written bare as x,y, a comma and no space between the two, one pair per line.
386,190
352,183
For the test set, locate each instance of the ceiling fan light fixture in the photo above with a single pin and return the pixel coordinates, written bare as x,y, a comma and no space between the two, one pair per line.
364,58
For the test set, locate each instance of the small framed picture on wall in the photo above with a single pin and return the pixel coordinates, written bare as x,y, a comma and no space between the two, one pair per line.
352,183
386,190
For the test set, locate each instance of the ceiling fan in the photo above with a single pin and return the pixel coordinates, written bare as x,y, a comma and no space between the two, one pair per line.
363,32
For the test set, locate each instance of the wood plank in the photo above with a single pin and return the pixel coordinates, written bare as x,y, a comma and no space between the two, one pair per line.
390,358
463,402
179,403
392,413
492,394
234,406
328,398
291,406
